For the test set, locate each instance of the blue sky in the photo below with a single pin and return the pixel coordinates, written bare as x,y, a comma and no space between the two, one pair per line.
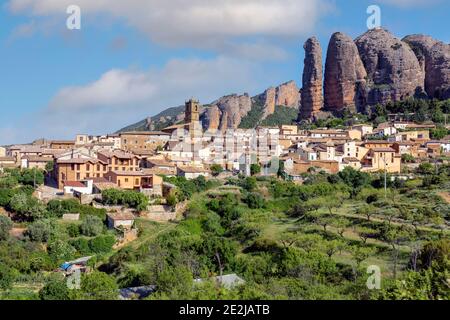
132,59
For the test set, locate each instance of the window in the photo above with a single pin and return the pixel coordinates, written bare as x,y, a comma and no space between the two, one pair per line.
126,179
88,175
78,167
137,182
72,166
78,176
123,168
88,167
98,167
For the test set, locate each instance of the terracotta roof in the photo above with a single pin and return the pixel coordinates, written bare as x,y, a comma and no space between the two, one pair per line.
328,131
145,133
62,142
130,173
193,169
37,159
79,160
74,184
117,153
383,150
7,159
105,185
160,162
377,142
121,216
159,172
350,159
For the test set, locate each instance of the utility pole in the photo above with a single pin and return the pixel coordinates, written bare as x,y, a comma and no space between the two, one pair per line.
385,179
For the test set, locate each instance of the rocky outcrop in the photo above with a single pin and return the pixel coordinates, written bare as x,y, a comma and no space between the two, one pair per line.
436,58
227,112
286,95
212,118
312,95
269,101
393,70
345,75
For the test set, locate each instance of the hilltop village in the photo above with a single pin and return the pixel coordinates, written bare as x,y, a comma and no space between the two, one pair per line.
291,194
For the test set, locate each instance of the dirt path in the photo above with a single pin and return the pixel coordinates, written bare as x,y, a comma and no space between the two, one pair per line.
445,196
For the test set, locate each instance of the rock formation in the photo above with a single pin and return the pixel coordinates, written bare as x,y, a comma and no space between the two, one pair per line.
345,75
287,95
436,57
393,70
312,92
212,118
269,101
227,112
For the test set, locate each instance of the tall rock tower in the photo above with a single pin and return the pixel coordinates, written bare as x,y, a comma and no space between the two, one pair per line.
344,74
312,92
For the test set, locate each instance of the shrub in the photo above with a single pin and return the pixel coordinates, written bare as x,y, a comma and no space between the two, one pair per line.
40,231
102,244
92,226
254,200
5,226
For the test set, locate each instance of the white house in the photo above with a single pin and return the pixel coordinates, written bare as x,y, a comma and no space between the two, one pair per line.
81,187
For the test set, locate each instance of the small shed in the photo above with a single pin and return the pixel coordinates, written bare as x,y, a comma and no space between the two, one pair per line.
124,219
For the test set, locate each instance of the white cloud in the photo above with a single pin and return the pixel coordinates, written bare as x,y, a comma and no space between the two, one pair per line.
197,23
119,97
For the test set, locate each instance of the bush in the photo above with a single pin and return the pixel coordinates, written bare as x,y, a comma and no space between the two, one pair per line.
54,290
131,199
102,244
6,277
254,200
255,169
82,245
73,230
92,226
5,226
40,231
28,207
216,169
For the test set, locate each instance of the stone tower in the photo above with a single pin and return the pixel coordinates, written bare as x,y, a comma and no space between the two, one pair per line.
312,97
192,111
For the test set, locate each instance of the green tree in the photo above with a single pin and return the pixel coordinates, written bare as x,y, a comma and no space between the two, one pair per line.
28,207
426,168
439,133
98,286
407,158
366,210
255,169
254,200
360,253
55,289
174,283
365,233
7,277
41,231
5,226
49,166
91,226
216,169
